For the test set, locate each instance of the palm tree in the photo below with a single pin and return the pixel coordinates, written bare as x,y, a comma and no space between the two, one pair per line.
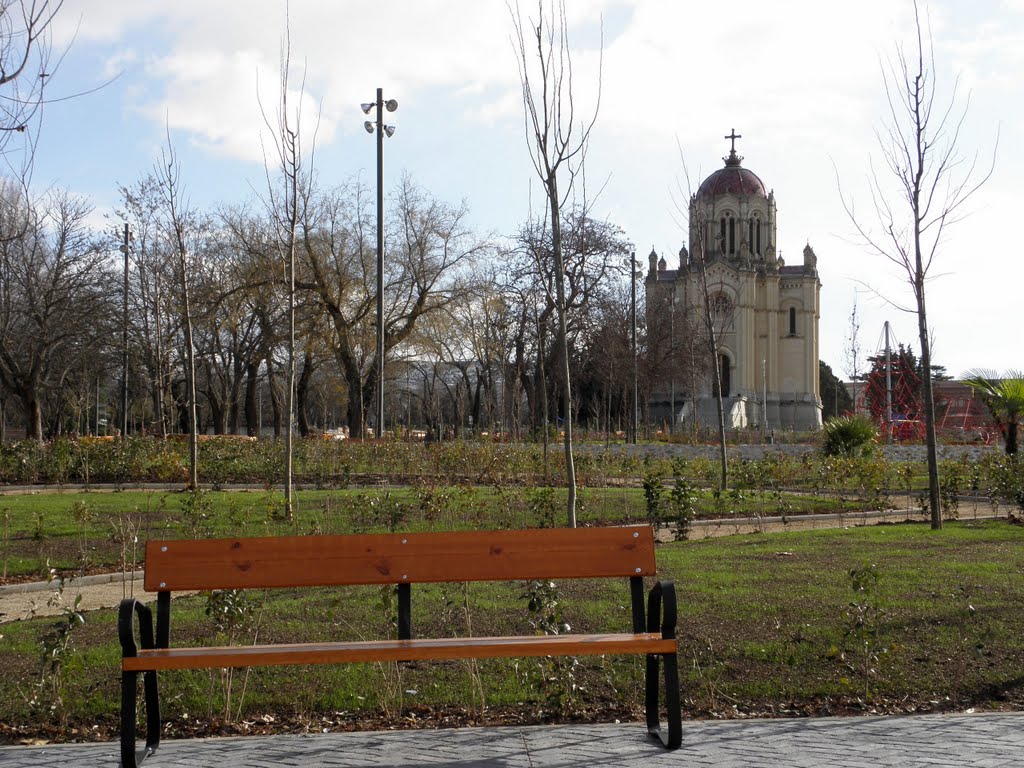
1004,397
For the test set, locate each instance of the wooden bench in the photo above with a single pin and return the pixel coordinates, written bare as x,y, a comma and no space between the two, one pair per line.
404,560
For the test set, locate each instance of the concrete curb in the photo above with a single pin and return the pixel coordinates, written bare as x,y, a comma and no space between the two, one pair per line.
851,517
70,584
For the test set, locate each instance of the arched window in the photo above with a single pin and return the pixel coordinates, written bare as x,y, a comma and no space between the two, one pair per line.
755,240
721,311
727,233
792,321
724,372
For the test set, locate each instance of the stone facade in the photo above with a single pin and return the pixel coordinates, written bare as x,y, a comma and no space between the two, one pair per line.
764,312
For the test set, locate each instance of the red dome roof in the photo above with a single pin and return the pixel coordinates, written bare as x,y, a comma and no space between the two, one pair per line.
732,180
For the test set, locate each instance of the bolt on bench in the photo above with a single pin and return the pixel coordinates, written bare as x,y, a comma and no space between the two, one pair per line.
404,560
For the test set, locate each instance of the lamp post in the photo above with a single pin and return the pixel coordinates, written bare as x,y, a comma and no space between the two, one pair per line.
380,129
124,338
672,358
632,325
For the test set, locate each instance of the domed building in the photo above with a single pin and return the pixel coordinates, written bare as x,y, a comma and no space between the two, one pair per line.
764,314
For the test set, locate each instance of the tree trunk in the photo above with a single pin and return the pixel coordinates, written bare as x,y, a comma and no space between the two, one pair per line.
156,395
275,398
234,405
357,396
542,395
716,367
252,415
33,418
302,393
563,344
929,400
218,414
181,403
723,455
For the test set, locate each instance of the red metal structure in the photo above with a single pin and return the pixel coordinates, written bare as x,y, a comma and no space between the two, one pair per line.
892,397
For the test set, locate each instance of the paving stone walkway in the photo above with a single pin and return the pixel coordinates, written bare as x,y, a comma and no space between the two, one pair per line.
983,740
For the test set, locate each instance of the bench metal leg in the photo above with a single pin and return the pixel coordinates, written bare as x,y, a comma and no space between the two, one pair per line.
661,615
672,735
130,757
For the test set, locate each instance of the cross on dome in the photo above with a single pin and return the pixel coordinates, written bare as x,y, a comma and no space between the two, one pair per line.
733,158
732,137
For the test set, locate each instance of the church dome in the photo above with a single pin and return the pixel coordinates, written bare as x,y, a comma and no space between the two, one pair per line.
733,179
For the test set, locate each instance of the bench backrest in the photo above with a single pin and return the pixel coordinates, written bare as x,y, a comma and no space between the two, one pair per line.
296,561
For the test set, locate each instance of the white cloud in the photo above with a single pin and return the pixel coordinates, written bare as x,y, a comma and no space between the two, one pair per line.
799,79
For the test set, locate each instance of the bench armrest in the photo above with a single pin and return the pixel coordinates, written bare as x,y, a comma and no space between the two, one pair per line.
661,609
125,613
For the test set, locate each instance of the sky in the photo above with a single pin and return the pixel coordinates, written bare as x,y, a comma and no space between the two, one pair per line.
800,80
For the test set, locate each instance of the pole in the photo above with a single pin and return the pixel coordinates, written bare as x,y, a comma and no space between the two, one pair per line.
888,384
764,396
632,312
380,263
672,360
124,342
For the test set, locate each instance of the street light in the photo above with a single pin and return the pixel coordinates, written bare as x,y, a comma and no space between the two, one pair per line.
124,337
672,357
632,322
380,129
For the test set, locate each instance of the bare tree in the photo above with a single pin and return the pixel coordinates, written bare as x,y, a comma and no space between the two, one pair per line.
556,143
53,300
920,146
26,64
178,222
433,250
283,206
853,351
258,273
152,324
715,318
714,314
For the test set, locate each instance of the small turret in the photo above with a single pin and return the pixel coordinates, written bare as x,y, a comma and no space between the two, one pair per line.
810,260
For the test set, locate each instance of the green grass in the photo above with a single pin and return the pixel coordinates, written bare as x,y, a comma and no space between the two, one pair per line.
764,627
777,617
60,529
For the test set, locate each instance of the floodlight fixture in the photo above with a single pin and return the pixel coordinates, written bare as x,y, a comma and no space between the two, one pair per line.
391,105
369,126
367,107
389,130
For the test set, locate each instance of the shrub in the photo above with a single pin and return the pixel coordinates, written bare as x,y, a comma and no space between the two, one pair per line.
849,436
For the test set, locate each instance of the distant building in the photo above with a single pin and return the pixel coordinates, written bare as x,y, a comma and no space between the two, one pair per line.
766,312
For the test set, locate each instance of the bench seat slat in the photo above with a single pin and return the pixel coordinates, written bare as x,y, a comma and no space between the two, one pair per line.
461,556
398,650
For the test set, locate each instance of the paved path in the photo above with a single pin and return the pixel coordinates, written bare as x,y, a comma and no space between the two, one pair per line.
987,741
